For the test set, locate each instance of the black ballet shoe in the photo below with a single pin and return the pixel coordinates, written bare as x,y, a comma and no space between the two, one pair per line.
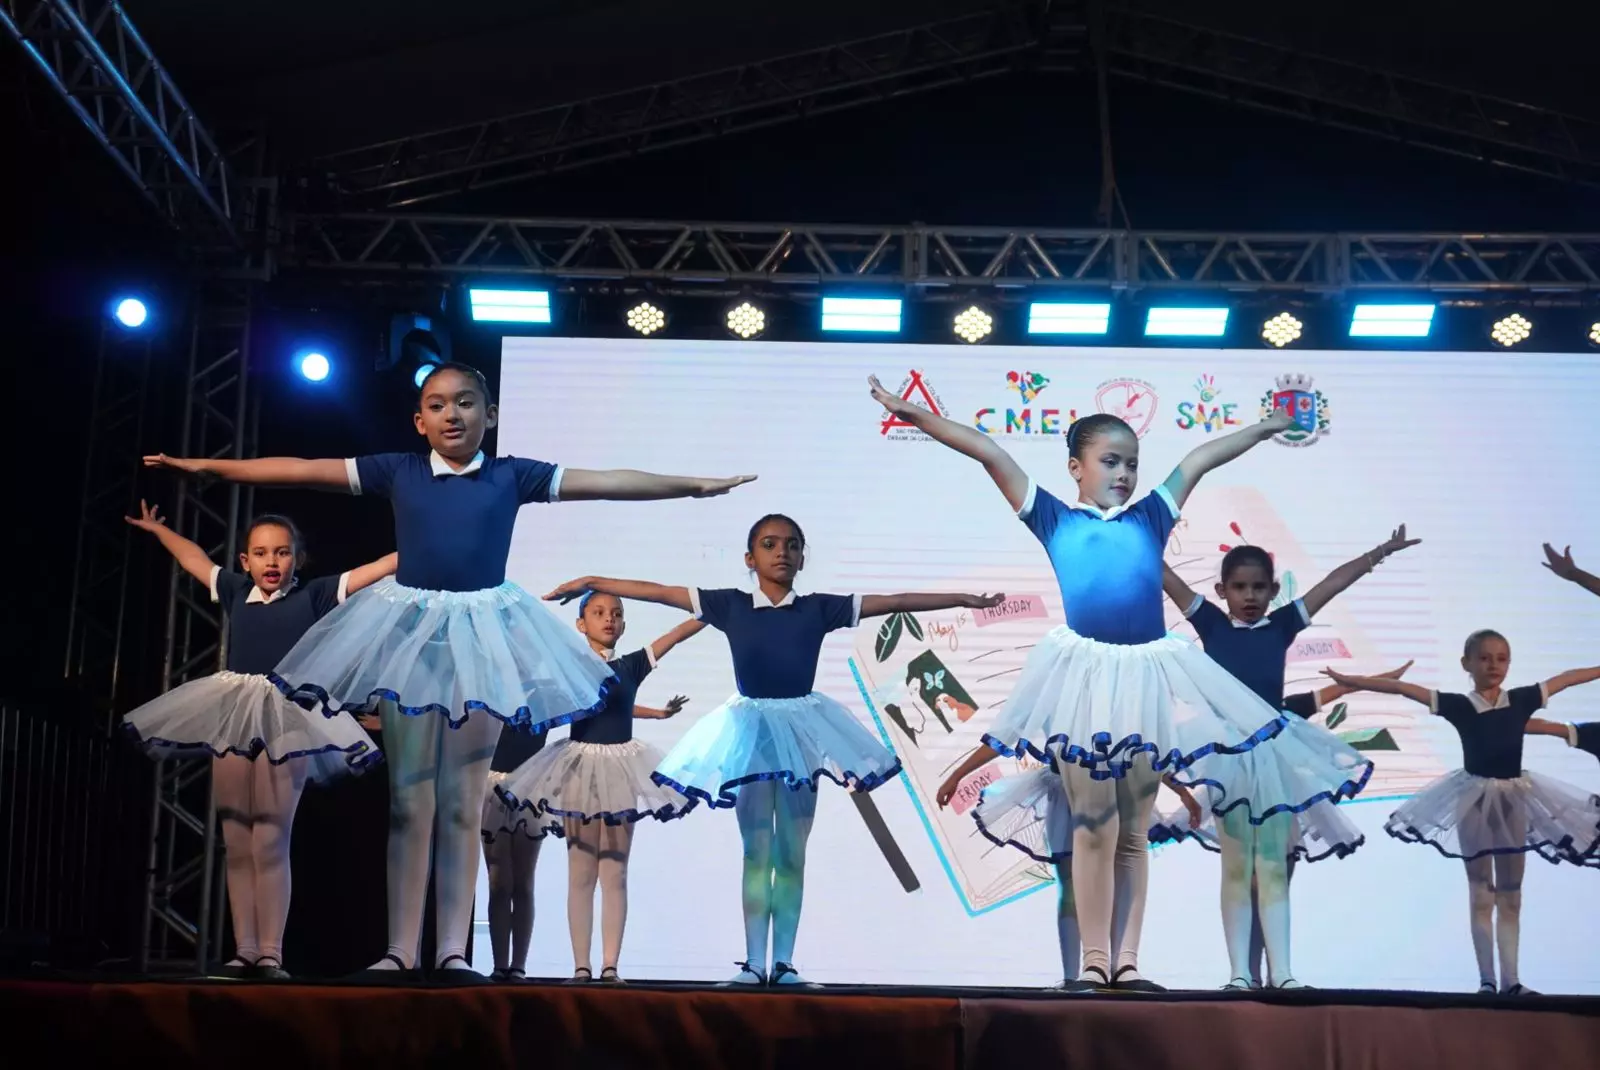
1487,988
1135,984
747,977
497,974
1519,990
1238,984
581,976
780,970
402,974
609,976
1085,984
268,968
515,975
236,969
468,976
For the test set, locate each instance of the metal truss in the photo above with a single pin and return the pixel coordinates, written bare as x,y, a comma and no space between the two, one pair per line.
1013,261
183,895
114,438
97,61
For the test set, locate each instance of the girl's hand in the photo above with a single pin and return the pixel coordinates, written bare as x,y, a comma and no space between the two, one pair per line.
983,601
1397,541
571,589
1280,420
1395,674
1561,564
149,518
675,705
896,404
711,488
1346,680
947,790
369,721
180,464
1197,816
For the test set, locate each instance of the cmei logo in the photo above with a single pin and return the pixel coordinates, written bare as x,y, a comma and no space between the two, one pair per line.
1027,386
1208,413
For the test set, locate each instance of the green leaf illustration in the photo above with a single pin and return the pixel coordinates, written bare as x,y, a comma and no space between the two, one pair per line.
913,627
1337,715
888,637
1370,740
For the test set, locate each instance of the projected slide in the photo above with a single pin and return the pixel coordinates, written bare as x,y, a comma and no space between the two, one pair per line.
1482,457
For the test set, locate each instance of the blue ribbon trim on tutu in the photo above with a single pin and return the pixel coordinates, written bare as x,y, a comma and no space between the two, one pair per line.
1553,851
532,830
522,718
726,796
1055,859
1348,790
1162,834
360,757
1107,762
669,812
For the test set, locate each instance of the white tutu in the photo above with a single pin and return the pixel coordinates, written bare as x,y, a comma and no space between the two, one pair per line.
502,820
607,782
498,651
796,741
1028,811
243,714
1465,816
1322,830
1103,706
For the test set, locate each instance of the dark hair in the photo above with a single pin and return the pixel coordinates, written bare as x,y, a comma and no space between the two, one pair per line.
465,369
1240,556
281,521
588,596
750,540
1477,637
1092,426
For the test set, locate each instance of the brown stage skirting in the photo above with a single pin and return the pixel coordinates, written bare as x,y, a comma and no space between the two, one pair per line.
171,1024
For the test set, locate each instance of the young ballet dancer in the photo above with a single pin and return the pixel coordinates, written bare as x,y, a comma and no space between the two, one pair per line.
1252,641
264,748
1112,700
511,843
1491,812
447,636
593,786
765,750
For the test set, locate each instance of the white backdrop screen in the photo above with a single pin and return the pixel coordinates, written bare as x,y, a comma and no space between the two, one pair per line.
1484,457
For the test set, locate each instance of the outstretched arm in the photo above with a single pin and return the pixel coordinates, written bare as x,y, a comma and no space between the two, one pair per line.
1181,593
370,573
627,485
876,605
187,554
1219,451
969,765
1334,692
687,630
1571,678
639,590
1346,574
674,707
1382,685
1561,564
1538,726
322,474
1002,468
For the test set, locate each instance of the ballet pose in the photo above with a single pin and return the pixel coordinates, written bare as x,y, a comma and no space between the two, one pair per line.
263,747
1492,812
595,785
1114,702
765,750
450,647
511,842
1253,644
1562,565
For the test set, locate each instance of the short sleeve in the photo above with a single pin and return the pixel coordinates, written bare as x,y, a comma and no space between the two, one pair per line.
1589,737
375,473
1452,707
1303,704
633,668
228,587
713,606
1207,619
837,610
1291,619
1042,512
1527,700
537,481
324,594
1156,511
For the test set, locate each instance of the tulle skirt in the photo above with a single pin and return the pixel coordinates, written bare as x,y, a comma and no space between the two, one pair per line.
500,819
1465,816
796,741
498,652
608,782
1320,831
1028,811
244,714
1106,707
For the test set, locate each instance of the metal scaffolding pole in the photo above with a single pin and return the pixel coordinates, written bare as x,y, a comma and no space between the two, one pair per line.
183,892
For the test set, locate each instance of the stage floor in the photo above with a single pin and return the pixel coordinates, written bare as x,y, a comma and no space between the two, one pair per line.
77,1022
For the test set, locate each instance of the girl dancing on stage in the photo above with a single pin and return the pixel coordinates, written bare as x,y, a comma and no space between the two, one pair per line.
1492,812
448,636
593,786
1110,698
238,717
1253,644
511,843
764,751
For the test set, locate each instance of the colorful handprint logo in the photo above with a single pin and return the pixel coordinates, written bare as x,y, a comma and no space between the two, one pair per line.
1027,384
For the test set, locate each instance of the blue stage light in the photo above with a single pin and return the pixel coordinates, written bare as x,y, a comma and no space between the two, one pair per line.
131,312
314,366
877,315
1186,322
1053,317
1391,321
510,306
423,371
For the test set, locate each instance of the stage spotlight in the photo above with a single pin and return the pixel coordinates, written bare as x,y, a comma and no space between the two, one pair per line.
314,366
973,325
131,312
1186,322
1281,329
510,306
877,315
1391,321
746,320
422,373
646,318
1050,317
1594,334
1511,330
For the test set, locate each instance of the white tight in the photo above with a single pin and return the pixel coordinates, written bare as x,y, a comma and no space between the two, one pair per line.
775,823
597,852
511,858
1255,882
437,777
1111,864
1258,940
1495,885
256,801
1067,923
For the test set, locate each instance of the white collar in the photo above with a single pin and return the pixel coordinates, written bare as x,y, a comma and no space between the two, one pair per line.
1103,514
1483,705
606,655
259,597
759,599
1262,623
441,467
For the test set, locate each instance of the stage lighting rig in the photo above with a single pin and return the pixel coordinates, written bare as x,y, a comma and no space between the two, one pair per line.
973,324
1511,330
130,312
1281,329
646,318
745,320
